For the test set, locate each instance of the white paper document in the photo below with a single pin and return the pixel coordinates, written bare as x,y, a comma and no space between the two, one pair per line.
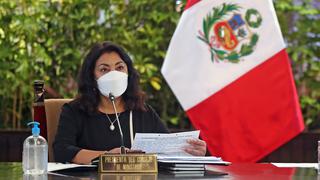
52,166
298,165
165,143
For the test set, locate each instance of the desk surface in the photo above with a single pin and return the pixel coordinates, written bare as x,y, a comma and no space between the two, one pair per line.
9,170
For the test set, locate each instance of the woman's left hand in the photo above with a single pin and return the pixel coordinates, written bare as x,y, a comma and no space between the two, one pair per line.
196,147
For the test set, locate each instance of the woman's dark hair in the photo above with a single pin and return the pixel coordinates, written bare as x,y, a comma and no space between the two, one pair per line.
88,93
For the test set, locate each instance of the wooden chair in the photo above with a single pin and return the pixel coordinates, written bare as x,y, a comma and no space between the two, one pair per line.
53,110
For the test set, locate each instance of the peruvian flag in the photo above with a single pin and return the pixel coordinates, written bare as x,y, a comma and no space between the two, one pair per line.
228,67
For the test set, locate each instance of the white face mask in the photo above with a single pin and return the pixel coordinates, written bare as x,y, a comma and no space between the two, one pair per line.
114,82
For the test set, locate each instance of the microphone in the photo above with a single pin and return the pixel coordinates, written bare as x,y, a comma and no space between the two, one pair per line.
122,147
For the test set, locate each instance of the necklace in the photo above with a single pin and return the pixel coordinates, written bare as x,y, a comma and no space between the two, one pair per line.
111,127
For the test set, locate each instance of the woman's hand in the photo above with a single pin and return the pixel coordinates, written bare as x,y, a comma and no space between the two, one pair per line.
196,147
116,150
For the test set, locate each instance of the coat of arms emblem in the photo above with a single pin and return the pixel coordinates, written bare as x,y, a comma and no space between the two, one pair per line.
232,38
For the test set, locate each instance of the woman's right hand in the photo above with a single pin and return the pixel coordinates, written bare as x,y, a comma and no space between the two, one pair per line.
116,150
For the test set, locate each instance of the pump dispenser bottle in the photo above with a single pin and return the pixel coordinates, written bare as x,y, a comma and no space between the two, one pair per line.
35,152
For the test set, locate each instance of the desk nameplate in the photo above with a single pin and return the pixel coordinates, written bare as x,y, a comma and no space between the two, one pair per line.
125,176
128,163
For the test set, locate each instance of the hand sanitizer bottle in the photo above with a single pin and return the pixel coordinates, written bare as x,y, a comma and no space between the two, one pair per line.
35,152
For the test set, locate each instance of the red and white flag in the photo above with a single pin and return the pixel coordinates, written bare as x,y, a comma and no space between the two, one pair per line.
228,67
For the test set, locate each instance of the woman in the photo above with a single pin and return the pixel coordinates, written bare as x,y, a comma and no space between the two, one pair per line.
88,126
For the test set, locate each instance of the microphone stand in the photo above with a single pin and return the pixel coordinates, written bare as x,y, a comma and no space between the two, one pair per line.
124,163
122,147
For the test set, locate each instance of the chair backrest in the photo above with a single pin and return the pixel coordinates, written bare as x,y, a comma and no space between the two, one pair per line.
53,110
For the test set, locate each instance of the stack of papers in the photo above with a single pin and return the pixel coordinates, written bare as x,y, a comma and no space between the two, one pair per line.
169,148
191,166
181,167
192,160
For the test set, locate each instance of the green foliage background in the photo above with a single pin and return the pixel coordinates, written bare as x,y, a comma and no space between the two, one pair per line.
49,39
300,24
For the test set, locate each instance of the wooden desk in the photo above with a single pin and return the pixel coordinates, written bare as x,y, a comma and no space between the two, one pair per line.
13,170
